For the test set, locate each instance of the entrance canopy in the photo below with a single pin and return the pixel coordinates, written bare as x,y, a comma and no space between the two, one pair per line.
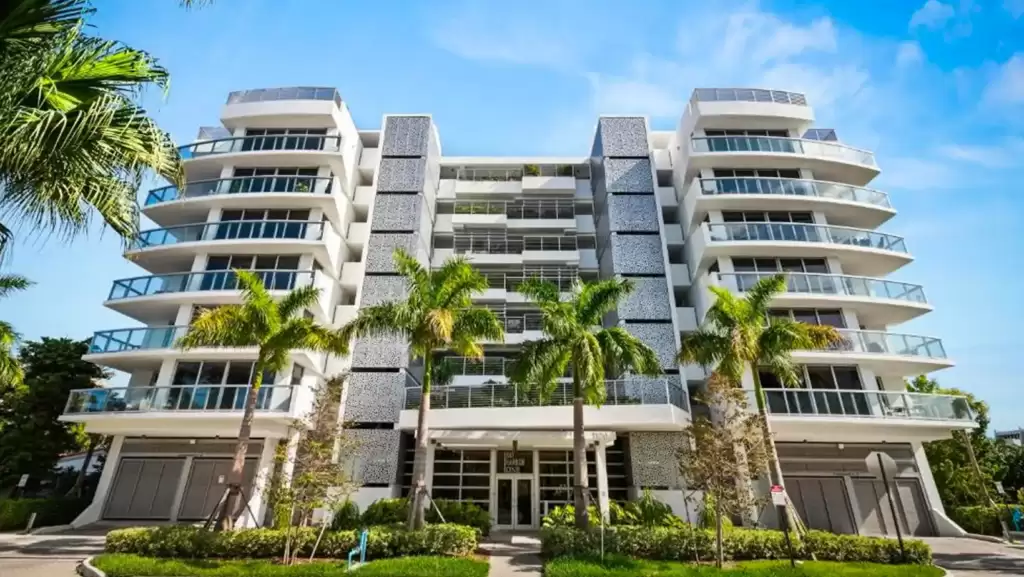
532,439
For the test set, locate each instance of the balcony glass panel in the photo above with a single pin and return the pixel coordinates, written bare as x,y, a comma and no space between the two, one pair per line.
794,187
276,398
241,185
529,209
229,230
781,145
286,93
318,142
500,244
867,404
635,391
832,284
798,232
748,95
143,338
204,281
882,342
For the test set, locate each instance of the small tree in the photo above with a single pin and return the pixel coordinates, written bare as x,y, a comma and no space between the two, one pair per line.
711,457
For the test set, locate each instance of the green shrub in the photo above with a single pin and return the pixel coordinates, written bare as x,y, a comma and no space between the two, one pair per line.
448,540
706,519
649,512
531,170
346,517
984,520
565,516
460,513
14,513
620,566
682,544
386,512
118,565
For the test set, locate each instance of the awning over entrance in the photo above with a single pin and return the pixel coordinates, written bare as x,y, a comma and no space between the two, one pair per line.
533,439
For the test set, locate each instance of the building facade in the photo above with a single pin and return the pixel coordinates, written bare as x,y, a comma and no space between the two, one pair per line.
744,187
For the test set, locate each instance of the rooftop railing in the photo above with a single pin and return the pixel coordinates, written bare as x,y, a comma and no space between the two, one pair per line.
831,284
801,232
256,143
882,342
866,404
220,280
205,398
782,145
229,230
793,187
241,185
748,95
635,391
285,93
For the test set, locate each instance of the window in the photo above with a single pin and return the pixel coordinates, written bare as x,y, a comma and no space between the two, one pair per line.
284,139
756,173
464,475
274,180
825,389
215,385
797,279
734,132
830,317
278,272
556,478
263,223
773,225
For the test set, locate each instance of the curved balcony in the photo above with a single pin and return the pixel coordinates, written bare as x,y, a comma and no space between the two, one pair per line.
876,301
173,248
863,252
827,159
629,402
282,107
204,159
842,204
884,352
155,298
171,205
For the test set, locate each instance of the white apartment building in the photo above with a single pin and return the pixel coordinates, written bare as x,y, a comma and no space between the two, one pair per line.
743,187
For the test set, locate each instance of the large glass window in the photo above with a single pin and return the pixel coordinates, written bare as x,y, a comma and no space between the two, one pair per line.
830,317
825,389
213,385
556,478
284,139
274,180
277,271
464,475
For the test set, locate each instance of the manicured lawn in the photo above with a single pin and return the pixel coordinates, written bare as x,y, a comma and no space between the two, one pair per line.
116,565
622,567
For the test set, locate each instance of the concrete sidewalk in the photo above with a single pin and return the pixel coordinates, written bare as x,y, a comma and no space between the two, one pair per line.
45,555
513,555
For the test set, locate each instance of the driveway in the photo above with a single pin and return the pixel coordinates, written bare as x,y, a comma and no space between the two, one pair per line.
974,558
45,555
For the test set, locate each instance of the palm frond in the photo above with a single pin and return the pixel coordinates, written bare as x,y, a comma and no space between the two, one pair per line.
10,369
473,325
539,291
10,283
417,277
297,300
539,365
624,352
783,367
761,294
727,310
593,300
226,326
28,24
588,369
258,305
385,319
439,324
306,334
456,282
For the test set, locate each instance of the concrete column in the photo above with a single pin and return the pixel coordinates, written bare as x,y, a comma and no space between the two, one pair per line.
179,491
601,464
92,513
931,491
430,467
260,486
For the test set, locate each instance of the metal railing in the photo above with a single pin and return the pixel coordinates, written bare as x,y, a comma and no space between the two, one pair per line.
501,244
868,404
229,230
520,323
793,187
778,144
528,209
489,174
255,143
831,284
204,281
801,232
484,366
748,95
629,391
142,338
882,342
511,282
241,185
275,398
285,93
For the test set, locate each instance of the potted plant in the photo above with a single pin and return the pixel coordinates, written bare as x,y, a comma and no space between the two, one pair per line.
531,170
564,170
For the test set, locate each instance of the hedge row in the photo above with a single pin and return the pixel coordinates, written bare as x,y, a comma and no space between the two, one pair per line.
193,542
984,520
682,544
14,513
396,511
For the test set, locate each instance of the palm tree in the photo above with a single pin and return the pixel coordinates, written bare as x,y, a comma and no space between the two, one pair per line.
574,340
274,328
10,369
73,138
739,333
438,314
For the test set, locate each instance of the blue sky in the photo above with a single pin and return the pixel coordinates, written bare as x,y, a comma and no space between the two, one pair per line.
935,88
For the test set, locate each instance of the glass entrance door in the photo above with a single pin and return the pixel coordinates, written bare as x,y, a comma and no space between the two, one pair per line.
514,505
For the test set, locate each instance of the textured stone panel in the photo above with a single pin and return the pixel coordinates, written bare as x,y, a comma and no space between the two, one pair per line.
637,254
632,213
653,459
374,397
401,175
623,136
628,175
406,136
376,455
648,302
660,337
380,353
380,250
397,212
378,289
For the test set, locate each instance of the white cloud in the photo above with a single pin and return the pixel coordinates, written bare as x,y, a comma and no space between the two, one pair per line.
908,54
933,14
1007,84
994,156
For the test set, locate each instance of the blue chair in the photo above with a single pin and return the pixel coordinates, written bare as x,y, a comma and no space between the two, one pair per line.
1018,517
360,550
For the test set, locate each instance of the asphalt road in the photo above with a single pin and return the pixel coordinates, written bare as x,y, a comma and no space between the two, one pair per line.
45,555
973,558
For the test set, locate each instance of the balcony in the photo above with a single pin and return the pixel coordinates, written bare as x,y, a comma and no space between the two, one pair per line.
746,107
288,93
205,158
863,415
876,301
520,328
500,249
884,352
155,298
173,248
489,181
469,370
827,159
863,252
842,204
632,403
282,107
503,287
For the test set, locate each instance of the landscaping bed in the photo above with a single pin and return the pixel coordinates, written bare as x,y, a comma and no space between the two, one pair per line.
121,565
615,566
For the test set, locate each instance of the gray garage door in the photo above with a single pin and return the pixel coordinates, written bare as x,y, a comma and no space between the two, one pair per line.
205,486
876,514
822,503
143,489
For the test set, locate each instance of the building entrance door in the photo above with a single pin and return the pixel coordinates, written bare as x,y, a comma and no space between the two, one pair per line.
515,503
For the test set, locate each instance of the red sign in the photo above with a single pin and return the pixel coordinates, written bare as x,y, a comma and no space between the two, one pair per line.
777,489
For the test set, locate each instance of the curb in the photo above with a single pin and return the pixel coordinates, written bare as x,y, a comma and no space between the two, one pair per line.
50,530
86,569
988,538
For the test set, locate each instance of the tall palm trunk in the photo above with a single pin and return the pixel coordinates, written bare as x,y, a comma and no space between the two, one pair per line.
966,437
774,467
417,511
232,503
76,489
579,454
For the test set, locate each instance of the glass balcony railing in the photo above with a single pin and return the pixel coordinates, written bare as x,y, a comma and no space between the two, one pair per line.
286,93
799,232
637,391
867,404
241,185
531,209
484,366
831,284
510,282
748,95
780,145
314,142
137,339
516,324
496,244
276,398
882,342
220,280
229,230
793,187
